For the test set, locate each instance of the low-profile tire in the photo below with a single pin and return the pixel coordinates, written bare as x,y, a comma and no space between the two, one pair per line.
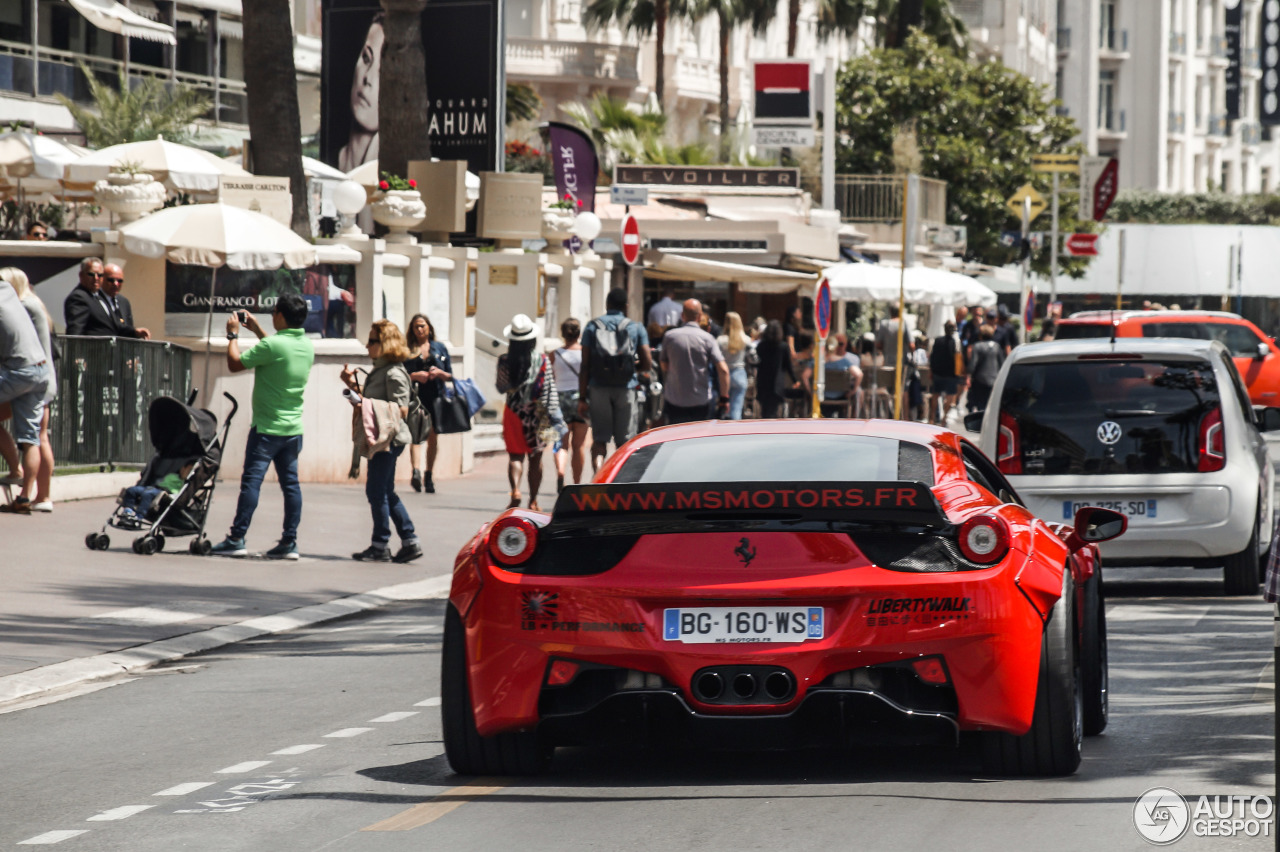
1052,746
1240,570
514,753
1094,676
103,541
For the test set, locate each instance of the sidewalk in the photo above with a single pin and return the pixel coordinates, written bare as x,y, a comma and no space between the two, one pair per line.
67,612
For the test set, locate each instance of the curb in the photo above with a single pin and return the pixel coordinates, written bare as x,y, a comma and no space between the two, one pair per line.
58,676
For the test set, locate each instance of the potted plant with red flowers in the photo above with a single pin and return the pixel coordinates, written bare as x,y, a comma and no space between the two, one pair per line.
399,206
558,219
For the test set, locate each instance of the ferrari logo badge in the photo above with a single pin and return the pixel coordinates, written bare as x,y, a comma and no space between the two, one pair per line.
745,551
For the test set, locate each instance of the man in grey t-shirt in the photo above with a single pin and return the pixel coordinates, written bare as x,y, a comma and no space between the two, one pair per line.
688,354
24,378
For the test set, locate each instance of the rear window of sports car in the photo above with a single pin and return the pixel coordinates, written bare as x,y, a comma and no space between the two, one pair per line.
779,458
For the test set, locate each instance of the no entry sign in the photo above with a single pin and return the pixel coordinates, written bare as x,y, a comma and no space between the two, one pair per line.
630,240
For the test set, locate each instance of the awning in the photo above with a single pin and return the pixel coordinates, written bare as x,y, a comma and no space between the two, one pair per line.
230,29
111,16
754,279
226,7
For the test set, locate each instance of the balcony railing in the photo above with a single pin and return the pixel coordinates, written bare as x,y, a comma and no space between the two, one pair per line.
1177,121
1114,41
1111,121
1218,124
1218,47
530,57
59,73
878,198
1177,43
1250,133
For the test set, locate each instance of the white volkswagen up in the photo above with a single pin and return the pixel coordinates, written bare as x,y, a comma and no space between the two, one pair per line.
1159,429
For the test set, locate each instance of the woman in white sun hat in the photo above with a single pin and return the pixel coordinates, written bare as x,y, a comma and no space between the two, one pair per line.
532,420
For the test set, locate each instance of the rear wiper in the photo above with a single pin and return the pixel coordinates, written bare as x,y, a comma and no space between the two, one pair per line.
1129,412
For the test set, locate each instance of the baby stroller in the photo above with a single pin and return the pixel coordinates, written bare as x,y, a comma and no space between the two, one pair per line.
183,436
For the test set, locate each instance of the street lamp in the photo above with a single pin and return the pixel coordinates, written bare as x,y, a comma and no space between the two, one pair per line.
349,199
587,226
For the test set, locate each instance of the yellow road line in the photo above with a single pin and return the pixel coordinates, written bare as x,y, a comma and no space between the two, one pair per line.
431,811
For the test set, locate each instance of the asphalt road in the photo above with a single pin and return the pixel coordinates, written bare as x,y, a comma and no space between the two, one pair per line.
329,739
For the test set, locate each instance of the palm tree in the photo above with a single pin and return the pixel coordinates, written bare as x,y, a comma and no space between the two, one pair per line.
272,92
402,102
730,14
619,132
642,17
523,102
145,111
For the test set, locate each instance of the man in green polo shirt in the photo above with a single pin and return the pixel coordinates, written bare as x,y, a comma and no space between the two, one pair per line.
282,366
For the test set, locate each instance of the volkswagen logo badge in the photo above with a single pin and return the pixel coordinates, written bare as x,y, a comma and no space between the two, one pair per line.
1109,432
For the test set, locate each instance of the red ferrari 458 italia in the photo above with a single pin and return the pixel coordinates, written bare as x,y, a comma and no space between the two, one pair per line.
784,584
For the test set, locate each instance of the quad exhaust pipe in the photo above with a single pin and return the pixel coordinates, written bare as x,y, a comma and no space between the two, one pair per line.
738,685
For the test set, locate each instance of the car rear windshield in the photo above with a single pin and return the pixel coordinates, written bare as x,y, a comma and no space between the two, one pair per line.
1098,417
1081,330
779,458
1239,340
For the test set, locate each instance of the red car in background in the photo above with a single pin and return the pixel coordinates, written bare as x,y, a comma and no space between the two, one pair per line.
780,583
1256,356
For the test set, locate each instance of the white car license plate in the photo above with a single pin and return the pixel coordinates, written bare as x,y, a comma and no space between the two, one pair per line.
1135,509
721,625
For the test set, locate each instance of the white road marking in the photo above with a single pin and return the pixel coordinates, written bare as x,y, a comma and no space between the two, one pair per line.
72,692
299,749
51,837
430,702
119,813
426,628
1133,612
184,789
349,732
153,616
247,766
395,717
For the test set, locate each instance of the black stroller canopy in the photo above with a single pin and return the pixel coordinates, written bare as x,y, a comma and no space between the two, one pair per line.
180,431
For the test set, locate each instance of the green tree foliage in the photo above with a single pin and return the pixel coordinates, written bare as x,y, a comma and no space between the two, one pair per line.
523,103
149,109
619,132
638,17
977,126
1148,207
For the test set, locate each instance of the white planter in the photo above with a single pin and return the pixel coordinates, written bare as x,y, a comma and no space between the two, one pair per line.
399,210
129,196
557,226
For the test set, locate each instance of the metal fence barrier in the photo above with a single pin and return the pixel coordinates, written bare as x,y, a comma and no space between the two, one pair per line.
105,387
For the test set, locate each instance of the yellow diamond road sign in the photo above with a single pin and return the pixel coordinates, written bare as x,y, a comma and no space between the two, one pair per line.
1037,201
1055,162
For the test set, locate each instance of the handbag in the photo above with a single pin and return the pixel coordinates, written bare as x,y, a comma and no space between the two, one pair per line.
419,420
450,411
467,388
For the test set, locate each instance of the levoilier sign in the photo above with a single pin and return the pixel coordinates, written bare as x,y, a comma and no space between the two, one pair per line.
709,176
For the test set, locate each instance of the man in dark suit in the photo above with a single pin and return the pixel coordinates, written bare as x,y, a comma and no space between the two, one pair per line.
118,306
83,311
89,313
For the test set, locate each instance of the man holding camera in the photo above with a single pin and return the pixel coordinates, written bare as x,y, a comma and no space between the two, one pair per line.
282,366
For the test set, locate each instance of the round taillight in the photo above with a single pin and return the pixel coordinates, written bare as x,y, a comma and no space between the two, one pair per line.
513,540
984,539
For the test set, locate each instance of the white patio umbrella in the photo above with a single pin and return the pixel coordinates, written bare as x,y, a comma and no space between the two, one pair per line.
181,168
870,282
33,164
217,235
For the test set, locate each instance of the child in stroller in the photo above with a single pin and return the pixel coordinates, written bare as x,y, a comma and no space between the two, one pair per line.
173,494
137,501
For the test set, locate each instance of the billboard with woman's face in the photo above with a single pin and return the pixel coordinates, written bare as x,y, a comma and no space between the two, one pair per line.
460,41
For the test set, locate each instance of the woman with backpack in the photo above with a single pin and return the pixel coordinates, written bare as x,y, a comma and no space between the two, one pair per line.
566,363
532,419
390,382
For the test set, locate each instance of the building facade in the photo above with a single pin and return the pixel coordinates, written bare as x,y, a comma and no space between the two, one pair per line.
1147,83
1022,34
549,49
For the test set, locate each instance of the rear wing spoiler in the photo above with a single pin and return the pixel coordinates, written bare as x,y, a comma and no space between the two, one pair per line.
906,503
